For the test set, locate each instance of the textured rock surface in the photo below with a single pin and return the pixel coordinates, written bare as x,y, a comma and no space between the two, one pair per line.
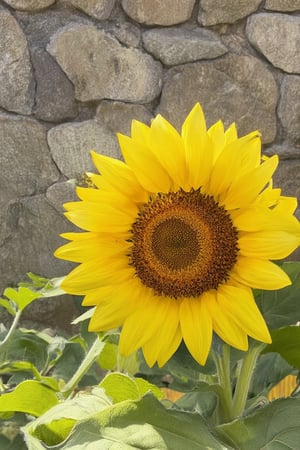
60,193
26,165
282,5
32,241
156,12
29,5
236,88
101,68
55,96
266,30
212,12
16,78
71,143
176,46
118,116
100,9
289,107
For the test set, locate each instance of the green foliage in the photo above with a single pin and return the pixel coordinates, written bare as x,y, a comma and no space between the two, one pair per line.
274,427
79,392
286,342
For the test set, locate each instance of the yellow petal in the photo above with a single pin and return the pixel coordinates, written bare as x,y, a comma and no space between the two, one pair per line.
198,148
228,330
105,218
91,275
259,274
167,145
196,327
148,170
120,176
94,248
231,162
167,351
160,345
240,305
217,137
245,189
268,244
143,323
111,313
287,205
231,134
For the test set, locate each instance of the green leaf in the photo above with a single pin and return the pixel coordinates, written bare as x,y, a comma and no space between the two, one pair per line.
203,400
22,296
15,444
108,357
120,387
8,306
30,397
19,366
282,307
270,369
86,315
27,346
142,424
286,342
56,424
273,427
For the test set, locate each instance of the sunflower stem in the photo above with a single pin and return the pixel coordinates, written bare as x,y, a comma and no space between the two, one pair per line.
86,364
223,370
12,328
244,378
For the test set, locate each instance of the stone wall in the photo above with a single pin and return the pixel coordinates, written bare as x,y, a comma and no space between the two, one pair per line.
74,72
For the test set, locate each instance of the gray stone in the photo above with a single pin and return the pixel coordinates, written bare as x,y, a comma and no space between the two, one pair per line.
16,78
212,12
236,88
100,9
177,46
29,5
118,116
126,32
289,107
277,37
32,241
282,5
287,177
60,193
70,145
156,12
100,67
55,96
42,25
284,151
25,161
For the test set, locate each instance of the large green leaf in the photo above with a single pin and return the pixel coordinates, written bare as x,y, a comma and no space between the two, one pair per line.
30,397
142,424
56,424
22,296
121,387
270,369
203,400
282,307
273,427
286,342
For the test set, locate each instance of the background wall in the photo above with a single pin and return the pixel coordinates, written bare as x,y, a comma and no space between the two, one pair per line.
74,72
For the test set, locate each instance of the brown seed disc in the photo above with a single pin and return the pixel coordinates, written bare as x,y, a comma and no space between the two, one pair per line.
183,244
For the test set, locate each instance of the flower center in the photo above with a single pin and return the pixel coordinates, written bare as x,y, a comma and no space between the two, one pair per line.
184,244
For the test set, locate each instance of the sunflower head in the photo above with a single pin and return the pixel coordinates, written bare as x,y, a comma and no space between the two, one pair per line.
177,235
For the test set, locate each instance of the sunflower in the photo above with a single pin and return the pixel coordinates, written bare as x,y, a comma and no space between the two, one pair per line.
177,236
